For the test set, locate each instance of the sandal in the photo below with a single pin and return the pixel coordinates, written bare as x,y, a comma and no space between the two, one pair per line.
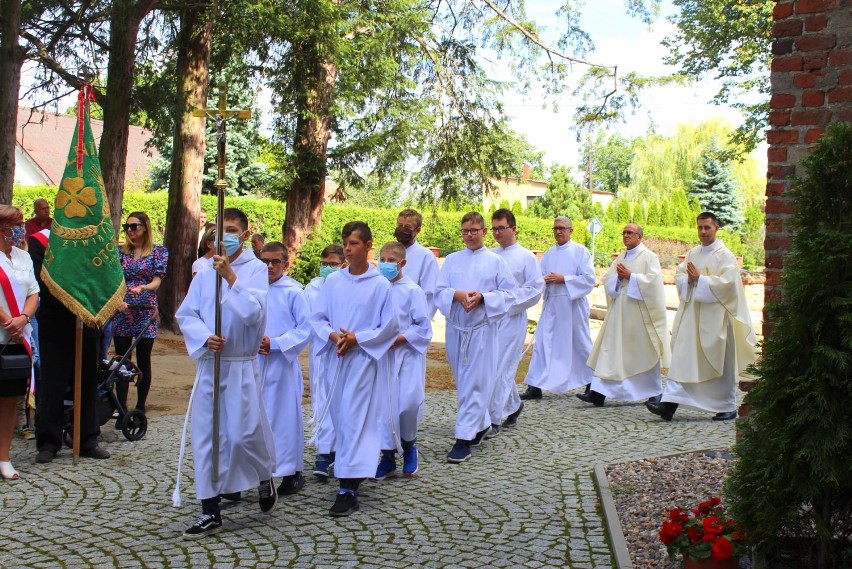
7,471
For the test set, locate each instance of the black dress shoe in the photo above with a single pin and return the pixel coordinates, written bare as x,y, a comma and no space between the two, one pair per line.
291,484
531,393
655,398
664,410
592,397
95,452
725,416
45,456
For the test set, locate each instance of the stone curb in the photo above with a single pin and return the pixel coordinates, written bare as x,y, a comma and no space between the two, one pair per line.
613,525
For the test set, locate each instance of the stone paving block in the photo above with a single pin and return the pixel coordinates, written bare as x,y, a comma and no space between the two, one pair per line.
525,499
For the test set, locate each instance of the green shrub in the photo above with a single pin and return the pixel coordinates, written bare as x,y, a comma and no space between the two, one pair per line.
792,482
441,229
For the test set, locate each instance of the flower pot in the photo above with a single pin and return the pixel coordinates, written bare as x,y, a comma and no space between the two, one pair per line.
710,563
435,251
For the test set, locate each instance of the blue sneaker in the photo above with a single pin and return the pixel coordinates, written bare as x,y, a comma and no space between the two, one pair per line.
323,465
409,461
477,440
460,452
387,466
492,432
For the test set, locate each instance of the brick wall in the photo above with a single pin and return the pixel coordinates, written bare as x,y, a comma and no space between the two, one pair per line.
811,80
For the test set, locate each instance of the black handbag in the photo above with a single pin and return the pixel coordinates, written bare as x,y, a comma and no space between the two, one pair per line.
15,366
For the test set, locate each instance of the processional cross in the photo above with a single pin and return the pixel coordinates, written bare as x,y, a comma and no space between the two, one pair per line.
221,115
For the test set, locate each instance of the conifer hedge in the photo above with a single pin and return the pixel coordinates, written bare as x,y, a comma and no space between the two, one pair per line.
791,487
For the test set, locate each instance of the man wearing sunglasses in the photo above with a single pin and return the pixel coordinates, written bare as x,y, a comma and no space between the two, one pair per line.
633,343
563,340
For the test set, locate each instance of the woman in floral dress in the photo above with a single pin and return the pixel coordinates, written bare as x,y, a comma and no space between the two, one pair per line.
144,267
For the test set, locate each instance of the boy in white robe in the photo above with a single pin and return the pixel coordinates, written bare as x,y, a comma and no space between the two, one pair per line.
563,340
712,337
331,261
246,447
422,267
475,290
356,325
633,343
406,390
512,329
287,333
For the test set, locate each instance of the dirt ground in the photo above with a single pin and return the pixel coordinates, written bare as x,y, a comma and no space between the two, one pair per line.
174,372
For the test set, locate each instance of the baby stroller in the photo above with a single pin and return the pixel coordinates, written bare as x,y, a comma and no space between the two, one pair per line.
112,372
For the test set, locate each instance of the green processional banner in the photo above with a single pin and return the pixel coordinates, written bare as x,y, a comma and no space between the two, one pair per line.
81,265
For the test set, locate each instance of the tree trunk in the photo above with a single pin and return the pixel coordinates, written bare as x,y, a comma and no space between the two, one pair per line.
307,192
125,18
184,210
11,59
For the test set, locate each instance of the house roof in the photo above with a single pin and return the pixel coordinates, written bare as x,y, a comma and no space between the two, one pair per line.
46,138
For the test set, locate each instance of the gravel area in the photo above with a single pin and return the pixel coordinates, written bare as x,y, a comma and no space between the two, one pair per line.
646,490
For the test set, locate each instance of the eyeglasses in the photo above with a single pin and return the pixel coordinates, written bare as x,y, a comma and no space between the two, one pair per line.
562,229
331,264
131,226
13,226
406,227
500,229
472,231
275,262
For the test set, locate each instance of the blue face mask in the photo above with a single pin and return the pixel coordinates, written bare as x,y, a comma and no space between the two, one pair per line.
17,235
232,244
389,270
325,271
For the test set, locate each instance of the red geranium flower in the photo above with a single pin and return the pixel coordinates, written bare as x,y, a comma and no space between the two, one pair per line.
722,549
670,532
694,534
713,525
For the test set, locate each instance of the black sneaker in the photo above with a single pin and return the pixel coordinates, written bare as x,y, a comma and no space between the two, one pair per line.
207,524
232,496
291,484
345,504
268,496
531,393
512,420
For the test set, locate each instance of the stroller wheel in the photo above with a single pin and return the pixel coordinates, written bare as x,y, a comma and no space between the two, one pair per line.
135,425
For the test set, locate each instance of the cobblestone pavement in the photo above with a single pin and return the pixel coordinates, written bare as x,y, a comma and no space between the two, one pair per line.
525,499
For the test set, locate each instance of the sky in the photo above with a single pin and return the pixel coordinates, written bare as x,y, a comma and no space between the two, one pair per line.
634,46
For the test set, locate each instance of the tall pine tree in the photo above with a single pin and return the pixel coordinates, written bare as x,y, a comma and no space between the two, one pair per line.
714,187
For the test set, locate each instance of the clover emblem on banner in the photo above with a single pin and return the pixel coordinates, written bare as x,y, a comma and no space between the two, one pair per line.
75,197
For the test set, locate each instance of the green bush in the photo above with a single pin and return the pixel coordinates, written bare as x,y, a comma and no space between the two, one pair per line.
791,487
440,228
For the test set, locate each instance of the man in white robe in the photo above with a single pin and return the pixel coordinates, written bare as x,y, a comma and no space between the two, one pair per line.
633,342
331,261
712,337
420,262
356,323
512,329
475,290
246,447
406,390
563,340
287,333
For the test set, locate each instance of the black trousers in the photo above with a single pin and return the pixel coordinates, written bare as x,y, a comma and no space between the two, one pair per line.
56,340
143,360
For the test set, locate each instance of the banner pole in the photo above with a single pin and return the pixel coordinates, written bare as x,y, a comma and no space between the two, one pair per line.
78,381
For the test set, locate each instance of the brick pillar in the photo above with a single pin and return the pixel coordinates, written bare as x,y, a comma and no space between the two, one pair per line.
811,79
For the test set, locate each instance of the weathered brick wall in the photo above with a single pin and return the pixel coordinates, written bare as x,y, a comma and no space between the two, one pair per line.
811,87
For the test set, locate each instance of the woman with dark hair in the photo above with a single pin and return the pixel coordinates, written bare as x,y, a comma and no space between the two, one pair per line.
144,267
18,303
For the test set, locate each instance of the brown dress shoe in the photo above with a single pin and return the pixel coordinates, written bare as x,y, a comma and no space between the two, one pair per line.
95,452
